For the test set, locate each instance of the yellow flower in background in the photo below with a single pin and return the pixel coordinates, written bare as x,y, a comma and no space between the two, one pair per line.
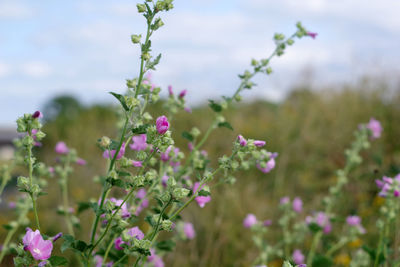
356,243
342,259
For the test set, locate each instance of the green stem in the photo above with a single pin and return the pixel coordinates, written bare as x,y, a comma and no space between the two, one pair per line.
6,241
376,263
64,192
106,186
314,245
121,259
30,167
108,250
336,247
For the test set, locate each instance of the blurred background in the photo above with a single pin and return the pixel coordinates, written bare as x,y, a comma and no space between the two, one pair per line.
63,58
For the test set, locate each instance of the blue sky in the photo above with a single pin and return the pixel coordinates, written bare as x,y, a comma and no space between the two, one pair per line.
83,47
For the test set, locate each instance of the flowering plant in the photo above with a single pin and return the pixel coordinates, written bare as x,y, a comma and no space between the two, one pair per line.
148,178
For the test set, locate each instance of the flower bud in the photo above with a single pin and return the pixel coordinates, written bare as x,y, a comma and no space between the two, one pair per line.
105,141
141,8
136,38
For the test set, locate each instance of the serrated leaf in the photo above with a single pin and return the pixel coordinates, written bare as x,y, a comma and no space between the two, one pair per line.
188,136
142,129
58,261
166,245
226,125
215,106
204,193
121,99
151,64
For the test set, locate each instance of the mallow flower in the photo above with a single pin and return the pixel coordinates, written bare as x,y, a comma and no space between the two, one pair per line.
297,205
189,231
109,154
201,200
139,142
61,148
375,127
249,221
39,248
162,124
298,257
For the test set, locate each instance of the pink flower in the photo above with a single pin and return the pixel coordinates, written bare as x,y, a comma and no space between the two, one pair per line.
164,180
139,142
155,259
284,200
269,166
118,242
182,93
110,154
190,146
165,155
297,205
170,90
141,193
267,223
250,220
137,163
322,220
356,222
259,143
37,246
298,257
201,200
80,161
189,231
241,140
136,233
144,204
187,109
124,209
37,115
312,34
162,124
61,148
375,127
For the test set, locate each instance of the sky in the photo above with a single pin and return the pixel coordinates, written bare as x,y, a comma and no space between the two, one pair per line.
82,48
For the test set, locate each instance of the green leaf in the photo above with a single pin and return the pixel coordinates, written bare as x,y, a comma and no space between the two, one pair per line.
7,227
372,254
166,245
116,182
142,129
121,99
188,136
82,206
151,64
322,261
204,193
314,227
226,125
58,261
215,106
71,243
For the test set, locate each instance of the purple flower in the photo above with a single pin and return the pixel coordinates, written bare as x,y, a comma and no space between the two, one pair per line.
124,209
155,259
241,140
137,163
110,154
322,220
270,164
284,200
190,146
189,231
162,124
302,265
118,242
170,90
201,200
56,237
297,205
259,143
164,180
298,257
250,220
141,193
396,193
80,161
144,204
37,115
312,34
61,148
36,245
136,233
12,205
182,93
187,109
267,223
165,155
356,222
375,127
139,142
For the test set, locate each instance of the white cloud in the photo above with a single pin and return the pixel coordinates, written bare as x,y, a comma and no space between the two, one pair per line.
13,10
5,69
36,69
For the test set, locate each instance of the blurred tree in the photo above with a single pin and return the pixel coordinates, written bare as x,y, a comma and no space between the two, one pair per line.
66,107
